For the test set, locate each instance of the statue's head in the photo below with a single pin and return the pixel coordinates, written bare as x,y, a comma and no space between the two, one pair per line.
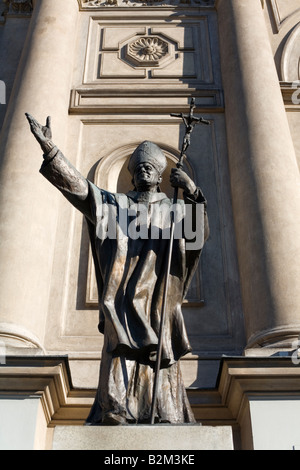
146,165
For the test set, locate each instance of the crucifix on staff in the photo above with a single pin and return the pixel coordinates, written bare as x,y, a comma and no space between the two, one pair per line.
189,121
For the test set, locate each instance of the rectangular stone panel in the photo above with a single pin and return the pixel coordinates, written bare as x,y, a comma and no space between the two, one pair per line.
143,437
188,40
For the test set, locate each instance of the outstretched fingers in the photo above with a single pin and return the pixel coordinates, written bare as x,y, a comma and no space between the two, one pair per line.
40,131
32,121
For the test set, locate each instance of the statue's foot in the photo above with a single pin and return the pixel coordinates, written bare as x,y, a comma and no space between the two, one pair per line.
111,419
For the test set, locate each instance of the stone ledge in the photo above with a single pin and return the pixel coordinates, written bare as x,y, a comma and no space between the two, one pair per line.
143,437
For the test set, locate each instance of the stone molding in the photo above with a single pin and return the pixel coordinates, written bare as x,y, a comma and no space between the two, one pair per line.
49,379
96,4
15,336
239,379
281,18
92,100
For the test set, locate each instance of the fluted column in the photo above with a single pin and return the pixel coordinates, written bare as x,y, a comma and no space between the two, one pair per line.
264,176
28,209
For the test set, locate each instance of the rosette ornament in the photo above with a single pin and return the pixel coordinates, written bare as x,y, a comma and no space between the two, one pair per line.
148,50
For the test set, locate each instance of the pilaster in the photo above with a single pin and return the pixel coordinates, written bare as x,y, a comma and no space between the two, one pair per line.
264,176
26,250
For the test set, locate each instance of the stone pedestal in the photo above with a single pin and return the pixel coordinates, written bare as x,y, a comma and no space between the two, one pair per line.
264,176
143,437
254,405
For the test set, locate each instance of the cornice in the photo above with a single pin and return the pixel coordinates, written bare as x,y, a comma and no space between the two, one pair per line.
92,5
49,379
240,378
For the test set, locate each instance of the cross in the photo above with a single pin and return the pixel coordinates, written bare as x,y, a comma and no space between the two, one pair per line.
189,121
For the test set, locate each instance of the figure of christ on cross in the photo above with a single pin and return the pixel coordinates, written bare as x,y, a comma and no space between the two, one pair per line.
189,121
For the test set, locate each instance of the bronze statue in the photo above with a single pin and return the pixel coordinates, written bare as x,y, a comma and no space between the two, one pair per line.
130,272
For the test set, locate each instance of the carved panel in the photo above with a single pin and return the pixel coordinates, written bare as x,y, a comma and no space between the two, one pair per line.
134,61
121,52
140,53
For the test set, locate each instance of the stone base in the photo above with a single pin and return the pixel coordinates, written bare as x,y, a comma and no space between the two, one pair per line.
143,437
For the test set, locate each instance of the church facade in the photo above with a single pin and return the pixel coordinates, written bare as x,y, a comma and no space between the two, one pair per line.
110,74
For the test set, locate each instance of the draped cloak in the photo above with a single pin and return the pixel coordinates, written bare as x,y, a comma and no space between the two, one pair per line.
130,270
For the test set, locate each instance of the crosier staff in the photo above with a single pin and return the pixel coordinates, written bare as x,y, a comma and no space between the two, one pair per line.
189,121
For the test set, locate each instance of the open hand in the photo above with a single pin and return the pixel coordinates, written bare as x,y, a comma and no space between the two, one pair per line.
43,134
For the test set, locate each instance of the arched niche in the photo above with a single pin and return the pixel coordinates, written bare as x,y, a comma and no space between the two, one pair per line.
290,61
112,175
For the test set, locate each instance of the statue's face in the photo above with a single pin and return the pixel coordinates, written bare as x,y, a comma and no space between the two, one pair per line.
146,177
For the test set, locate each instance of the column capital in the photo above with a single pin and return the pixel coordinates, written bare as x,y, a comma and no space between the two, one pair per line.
18,7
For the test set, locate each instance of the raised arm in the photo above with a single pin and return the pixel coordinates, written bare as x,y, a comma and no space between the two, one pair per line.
58,170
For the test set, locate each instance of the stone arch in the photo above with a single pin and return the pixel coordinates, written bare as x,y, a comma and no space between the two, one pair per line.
290,61
111,174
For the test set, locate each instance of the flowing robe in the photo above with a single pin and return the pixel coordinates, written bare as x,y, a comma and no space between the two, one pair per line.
130,272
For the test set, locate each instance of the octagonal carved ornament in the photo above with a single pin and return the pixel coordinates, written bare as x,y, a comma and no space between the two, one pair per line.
147,51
